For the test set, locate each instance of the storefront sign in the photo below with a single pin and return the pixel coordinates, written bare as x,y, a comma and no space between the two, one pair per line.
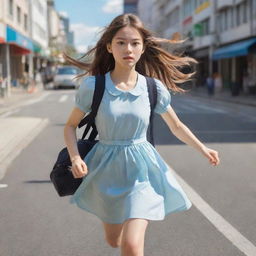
12,36
202,7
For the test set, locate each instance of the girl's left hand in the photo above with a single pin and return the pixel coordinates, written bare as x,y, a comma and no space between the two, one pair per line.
212,155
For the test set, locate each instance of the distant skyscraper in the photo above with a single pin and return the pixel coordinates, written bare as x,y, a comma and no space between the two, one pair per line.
130,6
65,26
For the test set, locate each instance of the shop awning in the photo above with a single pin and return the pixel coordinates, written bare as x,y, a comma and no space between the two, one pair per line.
234,50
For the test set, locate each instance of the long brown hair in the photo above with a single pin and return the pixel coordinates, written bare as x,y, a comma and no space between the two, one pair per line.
154,62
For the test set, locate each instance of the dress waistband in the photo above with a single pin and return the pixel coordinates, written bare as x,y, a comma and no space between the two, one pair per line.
123,142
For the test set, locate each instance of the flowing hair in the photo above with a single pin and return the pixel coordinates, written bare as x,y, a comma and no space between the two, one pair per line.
154,62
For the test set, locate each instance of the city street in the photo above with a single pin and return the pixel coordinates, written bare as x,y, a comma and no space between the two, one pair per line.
34,221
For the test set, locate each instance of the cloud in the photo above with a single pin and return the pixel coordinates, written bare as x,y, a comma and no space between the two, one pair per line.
84,36
113,7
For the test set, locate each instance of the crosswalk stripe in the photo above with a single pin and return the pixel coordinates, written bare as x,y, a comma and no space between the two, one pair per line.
63,98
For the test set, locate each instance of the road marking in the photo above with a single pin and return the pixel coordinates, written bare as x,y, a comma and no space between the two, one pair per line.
227,132
10,113
232,234
33,101
25,103
209,108
63,98
3,185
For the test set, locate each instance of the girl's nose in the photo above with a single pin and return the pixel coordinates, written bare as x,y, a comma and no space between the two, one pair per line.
129,48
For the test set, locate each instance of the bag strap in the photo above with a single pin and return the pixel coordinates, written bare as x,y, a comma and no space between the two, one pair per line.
90,118
152,94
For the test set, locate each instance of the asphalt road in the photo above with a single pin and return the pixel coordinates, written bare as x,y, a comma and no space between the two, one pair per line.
35,221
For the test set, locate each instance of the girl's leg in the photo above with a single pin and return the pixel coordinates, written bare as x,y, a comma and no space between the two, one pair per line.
113,234
133,237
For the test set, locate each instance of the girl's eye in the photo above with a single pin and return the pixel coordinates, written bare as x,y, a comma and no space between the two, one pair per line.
136,43
120,42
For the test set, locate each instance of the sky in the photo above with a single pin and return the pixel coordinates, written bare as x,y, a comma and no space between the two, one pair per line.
88,17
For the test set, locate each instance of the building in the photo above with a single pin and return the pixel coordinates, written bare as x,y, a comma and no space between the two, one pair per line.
69,35
55,35
15,42
130,6
32,35
220,34
39,34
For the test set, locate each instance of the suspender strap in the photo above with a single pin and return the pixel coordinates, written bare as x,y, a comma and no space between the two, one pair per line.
152,94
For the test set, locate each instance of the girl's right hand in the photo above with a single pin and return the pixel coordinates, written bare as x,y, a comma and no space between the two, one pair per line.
79,168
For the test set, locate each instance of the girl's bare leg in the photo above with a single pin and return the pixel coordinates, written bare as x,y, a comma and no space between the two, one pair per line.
133,237
113,234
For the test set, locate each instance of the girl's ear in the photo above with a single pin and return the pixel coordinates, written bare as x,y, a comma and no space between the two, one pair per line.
109,48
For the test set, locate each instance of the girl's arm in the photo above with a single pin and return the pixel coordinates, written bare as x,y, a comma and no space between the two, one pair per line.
183,133
79,168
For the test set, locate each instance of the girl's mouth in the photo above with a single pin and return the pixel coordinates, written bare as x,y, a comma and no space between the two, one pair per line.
128,58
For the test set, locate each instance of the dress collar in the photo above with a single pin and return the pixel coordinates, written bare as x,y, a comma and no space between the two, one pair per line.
113,90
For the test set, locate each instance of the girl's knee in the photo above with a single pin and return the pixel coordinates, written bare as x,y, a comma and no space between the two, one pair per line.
132,247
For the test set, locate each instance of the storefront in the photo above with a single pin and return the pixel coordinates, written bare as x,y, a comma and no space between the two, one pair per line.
237,65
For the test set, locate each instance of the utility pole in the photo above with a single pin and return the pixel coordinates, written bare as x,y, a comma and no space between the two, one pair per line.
8,70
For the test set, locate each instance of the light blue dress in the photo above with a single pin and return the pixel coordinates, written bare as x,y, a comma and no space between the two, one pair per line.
127,177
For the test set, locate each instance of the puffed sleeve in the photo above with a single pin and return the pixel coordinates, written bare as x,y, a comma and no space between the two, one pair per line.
84,95
163,98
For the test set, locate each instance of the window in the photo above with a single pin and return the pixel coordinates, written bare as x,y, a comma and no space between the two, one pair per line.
231,17
242,13
245,12
26,22
187,8
10,7
18,14
238,15
205,27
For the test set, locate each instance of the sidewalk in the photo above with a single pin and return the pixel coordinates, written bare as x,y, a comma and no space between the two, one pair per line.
224,95
17,96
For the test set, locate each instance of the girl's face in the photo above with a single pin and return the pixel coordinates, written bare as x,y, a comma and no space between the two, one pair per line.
126,47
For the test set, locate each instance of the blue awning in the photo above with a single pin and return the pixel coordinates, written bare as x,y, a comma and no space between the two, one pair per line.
234,50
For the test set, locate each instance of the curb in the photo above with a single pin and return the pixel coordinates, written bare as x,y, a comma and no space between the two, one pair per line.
11,154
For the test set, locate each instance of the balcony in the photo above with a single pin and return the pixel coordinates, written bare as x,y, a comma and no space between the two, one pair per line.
222,4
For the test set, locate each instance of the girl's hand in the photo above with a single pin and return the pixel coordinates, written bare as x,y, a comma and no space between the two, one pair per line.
79,168
212,155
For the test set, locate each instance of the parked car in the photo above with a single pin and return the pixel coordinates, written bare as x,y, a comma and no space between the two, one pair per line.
65,77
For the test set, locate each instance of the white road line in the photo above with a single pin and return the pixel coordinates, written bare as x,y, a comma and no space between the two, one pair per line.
227,132
10,113
209,108
185,109
10,110
33,101
63,98
232,234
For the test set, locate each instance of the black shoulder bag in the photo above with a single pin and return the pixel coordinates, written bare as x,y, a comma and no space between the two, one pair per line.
61,175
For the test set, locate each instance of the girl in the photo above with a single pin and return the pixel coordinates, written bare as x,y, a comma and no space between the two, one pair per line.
127,182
